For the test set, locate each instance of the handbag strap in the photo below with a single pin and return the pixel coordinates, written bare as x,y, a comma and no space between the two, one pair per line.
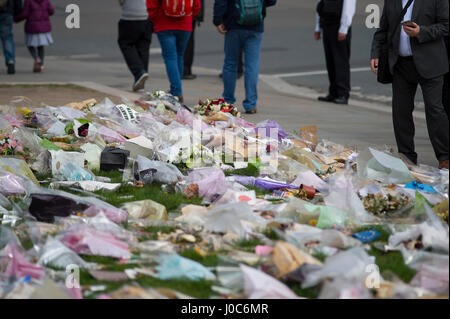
405,9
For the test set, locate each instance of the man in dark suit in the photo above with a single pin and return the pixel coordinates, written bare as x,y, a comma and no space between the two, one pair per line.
417,55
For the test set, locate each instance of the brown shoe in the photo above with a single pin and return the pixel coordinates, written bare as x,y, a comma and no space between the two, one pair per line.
180,98
443,164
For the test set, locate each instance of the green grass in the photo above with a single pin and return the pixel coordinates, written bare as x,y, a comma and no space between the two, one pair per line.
153,192
248,244
210,260
394,262
197,289
250,170
154,230
271,234
310,293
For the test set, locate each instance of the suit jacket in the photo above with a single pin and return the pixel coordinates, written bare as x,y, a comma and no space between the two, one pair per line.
429,51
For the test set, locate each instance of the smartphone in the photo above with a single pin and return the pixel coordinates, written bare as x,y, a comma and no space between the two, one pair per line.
408,24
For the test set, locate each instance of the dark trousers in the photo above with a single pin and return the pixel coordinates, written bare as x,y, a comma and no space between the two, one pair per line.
446,94
404,86
337,55
134,41
189,53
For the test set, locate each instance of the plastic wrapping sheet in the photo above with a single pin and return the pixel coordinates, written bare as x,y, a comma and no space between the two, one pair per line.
166,173
258,285
115,215
176,267
18,167
347,265
343,196
54,253
270,128
11,184
13,263
344,289
110,136
305,158
210,181
308,178
230,217
87,240
435,235
385,168
146,209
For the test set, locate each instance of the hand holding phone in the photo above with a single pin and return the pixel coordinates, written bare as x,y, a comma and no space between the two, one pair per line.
408,24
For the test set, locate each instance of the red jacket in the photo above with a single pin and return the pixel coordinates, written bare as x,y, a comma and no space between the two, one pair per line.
162,22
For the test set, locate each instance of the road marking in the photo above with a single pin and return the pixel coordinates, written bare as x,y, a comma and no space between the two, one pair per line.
323,72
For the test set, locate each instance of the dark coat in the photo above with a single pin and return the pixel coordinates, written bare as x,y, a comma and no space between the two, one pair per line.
37,15
13,7
429,51
225,13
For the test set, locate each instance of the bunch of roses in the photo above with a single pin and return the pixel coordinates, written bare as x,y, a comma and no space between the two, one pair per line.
209,107
8,145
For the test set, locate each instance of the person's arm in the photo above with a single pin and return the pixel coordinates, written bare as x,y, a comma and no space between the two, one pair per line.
348,12
379,39
51,9
197,8
317,30
440,28
220,8
24,13
269,3
153,8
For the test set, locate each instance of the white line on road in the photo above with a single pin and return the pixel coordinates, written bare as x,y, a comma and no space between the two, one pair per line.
298,74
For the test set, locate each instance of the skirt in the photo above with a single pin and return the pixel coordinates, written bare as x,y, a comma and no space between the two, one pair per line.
38,39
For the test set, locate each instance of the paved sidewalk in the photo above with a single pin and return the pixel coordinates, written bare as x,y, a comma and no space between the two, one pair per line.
349,125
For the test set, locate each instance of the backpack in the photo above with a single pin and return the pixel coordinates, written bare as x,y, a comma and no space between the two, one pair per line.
250,12
178,8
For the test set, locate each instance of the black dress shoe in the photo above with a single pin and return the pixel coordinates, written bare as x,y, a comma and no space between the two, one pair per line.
189,77
341,100
11,68
328,98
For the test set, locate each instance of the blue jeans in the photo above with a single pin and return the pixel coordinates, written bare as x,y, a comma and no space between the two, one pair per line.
6,35
173,44
249,41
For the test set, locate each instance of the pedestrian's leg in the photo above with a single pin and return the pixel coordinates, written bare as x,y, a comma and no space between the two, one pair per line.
437,119
404,89
241,63
33,52
7,38
143,42
342,66
182,42
446,94
252,50
189,53
127,39
41,53
330,34
233,48
168,44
